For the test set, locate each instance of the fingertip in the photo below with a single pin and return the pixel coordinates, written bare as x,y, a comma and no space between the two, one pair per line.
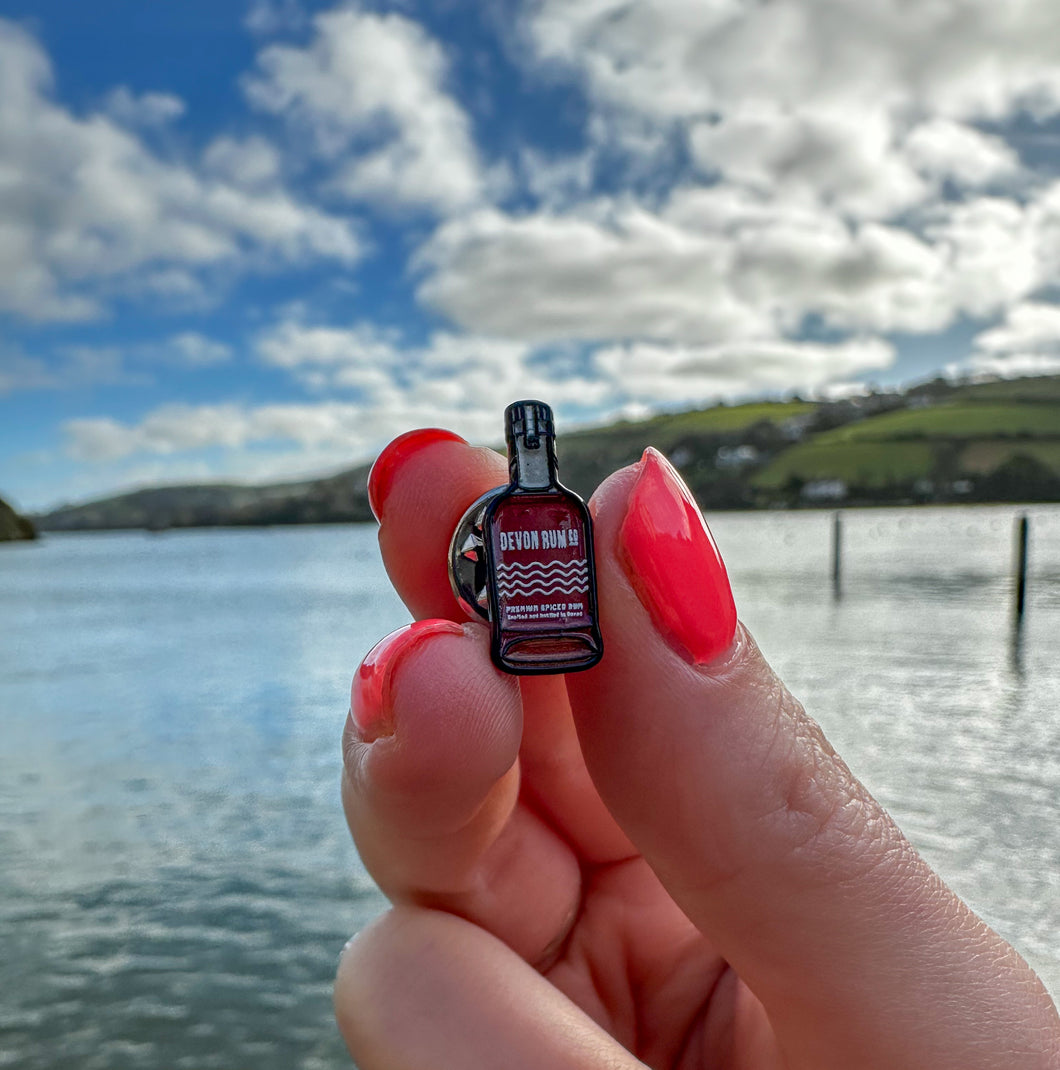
422,988
657,534
370,693
394,456
429,480
361,993
433,726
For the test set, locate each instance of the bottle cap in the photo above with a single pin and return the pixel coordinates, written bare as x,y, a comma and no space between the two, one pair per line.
530,420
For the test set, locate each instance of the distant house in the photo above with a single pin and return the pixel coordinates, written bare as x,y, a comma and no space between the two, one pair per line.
735,456
794,428
824,490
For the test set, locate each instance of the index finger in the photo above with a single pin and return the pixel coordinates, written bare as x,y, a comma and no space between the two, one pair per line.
420,487
858,951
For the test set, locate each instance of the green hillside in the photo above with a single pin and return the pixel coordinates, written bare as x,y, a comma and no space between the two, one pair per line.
720,419
954,419
1036,390
862,464
937,441
938,448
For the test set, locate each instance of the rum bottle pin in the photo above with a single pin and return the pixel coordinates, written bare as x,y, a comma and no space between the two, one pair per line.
522,558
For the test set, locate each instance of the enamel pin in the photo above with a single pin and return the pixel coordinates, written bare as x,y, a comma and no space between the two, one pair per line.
522,558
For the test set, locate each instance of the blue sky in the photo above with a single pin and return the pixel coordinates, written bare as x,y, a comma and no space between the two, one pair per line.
253,241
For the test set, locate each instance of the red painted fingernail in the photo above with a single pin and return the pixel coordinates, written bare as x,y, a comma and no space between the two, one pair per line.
381,477
673,564
370,704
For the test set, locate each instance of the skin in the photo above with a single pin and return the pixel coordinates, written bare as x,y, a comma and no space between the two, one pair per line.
649,863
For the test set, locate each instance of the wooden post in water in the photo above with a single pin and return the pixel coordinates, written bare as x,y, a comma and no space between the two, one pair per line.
1021,567
837,555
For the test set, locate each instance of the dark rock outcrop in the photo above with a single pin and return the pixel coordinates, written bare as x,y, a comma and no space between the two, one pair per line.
14,527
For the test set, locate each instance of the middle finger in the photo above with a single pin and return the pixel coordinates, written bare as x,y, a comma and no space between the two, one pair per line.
431,785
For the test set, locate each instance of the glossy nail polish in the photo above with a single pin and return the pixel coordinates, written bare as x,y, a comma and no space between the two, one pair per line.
370,694
522,558
381,477
673,564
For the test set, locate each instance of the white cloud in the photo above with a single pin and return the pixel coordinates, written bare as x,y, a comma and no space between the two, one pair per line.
370,88
294,345
773,170
88,210
181,428
76,366
992,249
839,156
653,374
459,382
690,58
461,377
147,109
711,266
797,263
196,350
273,16
865,108
610,272
68,368
1025,342
20,372
556,182
833,138
349,429
724,263
944,149
250,163
855,161
1030,326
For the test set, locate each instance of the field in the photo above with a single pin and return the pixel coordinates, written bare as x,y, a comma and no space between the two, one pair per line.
1042,389
952,420
862,464
971,434
986,455
664,430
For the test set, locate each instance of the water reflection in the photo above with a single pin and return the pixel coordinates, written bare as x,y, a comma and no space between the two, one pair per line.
177,879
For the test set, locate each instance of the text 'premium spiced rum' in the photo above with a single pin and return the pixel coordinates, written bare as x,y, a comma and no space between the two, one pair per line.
522,558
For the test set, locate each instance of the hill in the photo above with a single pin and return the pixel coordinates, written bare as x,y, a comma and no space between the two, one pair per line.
997,441
938,441
333,499
14,528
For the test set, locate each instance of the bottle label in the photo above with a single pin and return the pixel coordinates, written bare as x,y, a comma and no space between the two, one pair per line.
542,571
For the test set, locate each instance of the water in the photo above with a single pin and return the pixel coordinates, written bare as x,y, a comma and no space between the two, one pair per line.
176,880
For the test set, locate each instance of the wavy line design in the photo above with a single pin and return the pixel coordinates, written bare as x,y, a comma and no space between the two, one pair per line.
578,568
557,577
528,592
546,566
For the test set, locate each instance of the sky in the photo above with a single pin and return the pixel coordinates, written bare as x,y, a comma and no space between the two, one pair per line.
253,241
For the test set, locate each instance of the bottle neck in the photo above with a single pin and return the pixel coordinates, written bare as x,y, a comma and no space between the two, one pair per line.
531,437
533,467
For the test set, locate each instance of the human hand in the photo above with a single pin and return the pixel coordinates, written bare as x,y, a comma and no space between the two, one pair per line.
660,861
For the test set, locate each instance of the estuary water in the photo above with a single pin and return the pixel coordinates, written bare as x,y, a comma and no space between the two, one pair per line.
176,880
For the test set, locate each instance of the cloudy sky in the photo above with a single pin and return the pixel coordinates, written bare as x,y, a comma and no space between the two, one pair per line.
255,240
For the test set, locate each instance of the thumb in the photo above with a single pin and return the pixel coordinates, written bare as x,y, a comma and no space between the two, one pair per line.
759,831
